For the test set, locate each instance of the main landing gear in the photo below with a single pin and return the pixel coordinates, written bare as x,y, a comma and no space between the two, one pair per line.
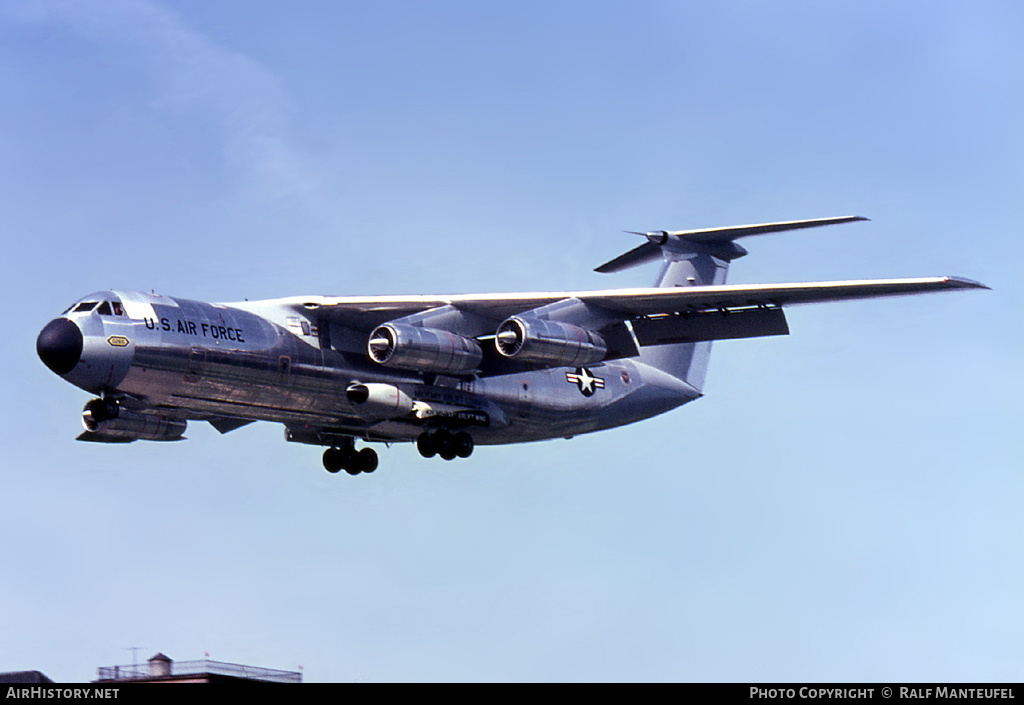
445,443
449,445
350,460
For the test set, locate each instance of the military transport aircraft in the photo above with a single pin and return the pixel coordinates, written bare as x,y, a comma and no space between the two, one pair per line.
445,372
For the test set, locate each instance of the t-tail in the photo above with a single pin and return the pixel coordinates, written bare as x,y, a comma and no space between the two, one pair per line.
696,258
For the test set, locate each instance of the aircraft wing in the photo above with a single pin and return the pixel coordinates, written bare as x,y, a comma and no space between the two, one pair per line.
363,311
649,301
626,319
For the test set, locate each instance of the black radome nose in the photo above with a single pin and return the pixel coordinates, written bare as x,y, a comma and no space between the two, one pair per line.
59,345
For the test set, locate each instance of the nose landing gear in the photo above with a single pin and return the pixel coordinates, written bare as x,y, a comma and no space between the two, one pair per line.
445,443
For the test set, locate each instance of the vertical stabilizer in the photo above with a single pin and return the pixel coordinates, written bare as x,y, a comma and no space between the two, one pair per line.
697,258
686,361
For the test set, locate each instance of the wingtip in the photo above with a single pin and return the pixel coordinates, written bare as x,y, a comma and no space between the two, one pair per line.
965,283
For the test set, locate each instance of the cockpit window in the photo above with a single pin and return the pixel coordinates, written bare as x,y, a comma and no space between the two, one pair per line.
104,308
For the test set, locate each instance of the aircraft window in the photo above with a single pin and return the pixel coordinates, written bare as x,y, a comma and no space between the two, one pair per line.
104,309
118,308
86,306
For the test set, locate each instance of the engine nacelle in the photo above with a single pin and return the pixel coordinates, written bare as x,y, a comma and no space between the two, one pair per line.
549,342
132,426
378,401
423,349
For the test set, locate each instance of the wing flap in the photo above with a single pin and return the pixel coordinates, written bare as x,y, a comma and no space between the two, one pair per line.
710,325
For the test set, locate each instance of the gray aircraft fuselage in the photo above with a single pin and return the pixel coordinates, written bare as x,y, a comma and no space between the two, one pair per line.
254,361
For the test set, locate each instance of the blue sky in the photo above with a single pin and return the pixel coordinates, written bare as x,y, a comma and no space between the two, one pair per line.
842,505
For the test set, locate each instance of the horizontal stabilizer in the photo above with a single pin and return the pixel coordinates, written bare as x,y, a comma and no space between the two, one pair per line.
728,234
647,252
682,240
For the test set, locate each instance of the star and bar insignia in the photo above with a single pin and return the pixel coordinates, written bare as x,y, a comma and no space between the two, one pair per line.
585,380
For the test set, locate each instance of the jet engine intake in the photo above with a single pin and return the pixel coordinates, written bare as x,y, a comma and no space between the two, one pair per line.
133,425
423,349
549,342
378,401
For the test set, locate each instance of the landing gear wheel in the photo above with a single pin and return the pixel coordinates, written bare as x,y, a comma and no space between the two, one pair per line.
332,460
336,459
445,444
366,460
463,444
350,460
425,445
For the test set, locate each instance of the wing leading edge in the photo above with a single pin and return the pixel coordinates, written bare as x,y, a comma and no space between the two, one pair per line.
631,302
